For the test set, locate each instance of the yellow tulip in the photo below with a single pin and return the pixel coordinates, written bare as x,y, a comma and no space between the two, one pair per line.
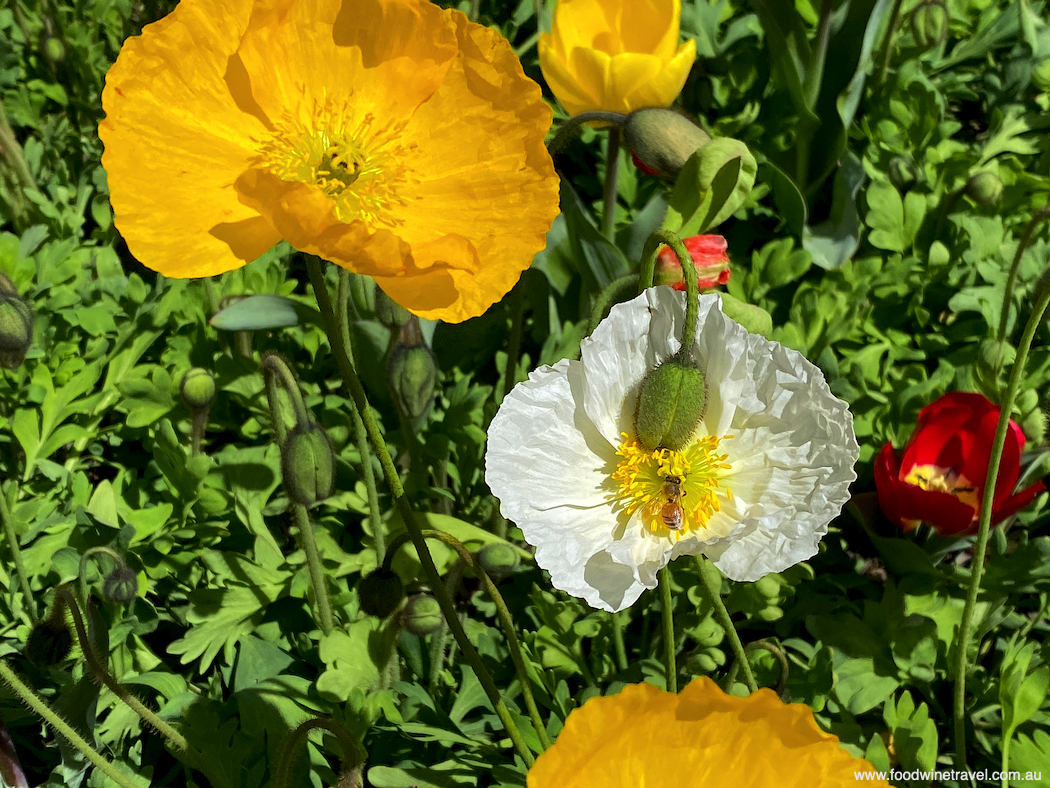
615,55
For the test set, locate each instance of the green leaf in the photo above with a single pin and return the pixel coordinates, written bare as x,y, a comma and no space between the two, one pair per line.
893,221
715,181
258,312
834,241
597,260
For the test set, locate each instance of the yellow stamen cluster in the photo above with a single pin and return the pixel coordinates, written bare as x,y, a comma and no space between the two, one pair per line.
945,480
344,153
643,478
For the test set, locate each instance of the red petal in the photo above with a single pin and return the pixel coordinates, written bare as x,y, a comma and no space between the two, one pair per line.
1016,502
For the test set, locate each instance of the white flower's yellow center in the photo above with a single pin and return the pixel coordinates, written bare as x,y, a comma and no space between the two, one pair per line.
353,158
945,480
677,491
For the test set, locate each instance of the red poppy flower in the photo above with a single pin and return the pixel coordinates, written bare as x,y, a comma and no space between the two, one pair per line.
940,478
709,257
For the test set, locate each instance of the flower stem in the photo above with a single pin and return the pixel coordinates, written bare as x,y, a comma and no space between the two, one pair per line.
891,33
440,638
607,297
16,553
97,669
962,648
37,704
621,652
510,371
568,128
692,285
612,171
712,583
313,561
360,435
1038,218
508,628
343,352
668,620
353,754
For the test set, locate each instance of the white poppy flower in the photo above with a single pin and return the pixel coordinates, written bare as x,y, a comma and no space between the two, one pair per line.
768,468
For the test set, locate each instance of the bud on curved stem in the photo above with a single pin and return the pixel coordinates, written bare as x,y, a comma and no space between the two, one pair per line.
197,390
90,553
353,761
97,670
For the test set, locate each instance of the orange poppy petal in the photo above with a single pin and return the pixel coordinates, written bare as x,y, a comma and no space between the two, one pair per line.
176,136
645,736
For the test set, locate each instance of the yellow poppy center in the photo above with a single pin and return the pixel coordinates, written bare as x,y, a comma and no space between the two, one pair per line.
353,158
676,491
945,480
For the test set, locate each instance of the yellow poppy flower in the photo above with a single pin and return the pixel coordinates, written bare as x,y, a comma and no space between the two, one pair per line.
615,55
391,137
645,736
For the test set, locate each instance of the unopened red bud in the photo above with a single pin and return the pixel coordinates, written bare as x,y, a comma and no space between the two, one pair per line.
662,139
709,257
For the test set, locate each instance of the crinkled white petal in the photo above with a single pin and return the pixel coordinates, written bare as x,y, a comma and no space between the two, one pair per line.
552,449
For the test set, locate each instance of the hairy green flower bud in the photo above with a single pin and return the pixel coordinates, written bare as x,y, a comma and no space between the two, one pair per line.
54,50
1034,427
16,325
197,388
308,464
121,585
663,139
412,370
984,188
903,172
671,403
422,615
929,24
498,558
380,592
1041,74
388,312
50,642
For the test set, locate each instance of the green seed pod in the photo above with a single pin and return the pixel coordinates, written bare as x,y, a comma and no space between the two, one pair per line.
671,403
49,643
663,139
903,172
197,388
984,188
412,370
498,558
16,325
380,592
121,585
422,615
388,312
308,464
929,24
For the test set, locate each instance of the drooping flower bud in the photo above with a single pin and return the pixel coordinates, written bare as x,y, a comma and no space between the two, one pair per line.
50,641
197,388
308,464
662,140
121,585
709,257
984,188
412,371
388,312
16,325
929,24
422,615
380,592
671,403
498,558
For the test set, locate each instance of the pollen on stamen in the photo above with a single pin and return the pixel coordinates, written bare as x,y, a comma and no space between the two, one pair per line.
668,485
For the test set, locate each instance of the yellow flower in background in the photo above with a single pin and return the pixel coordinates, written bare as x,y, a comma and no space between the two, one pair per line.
703,737
615,55
391,137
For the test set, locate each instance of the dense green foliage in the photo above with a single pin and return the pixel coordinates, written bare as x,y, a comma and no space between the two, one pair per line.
861,238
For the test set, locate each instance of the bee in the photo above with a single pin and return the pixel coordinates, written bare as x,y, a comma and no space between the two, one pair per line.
671,512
